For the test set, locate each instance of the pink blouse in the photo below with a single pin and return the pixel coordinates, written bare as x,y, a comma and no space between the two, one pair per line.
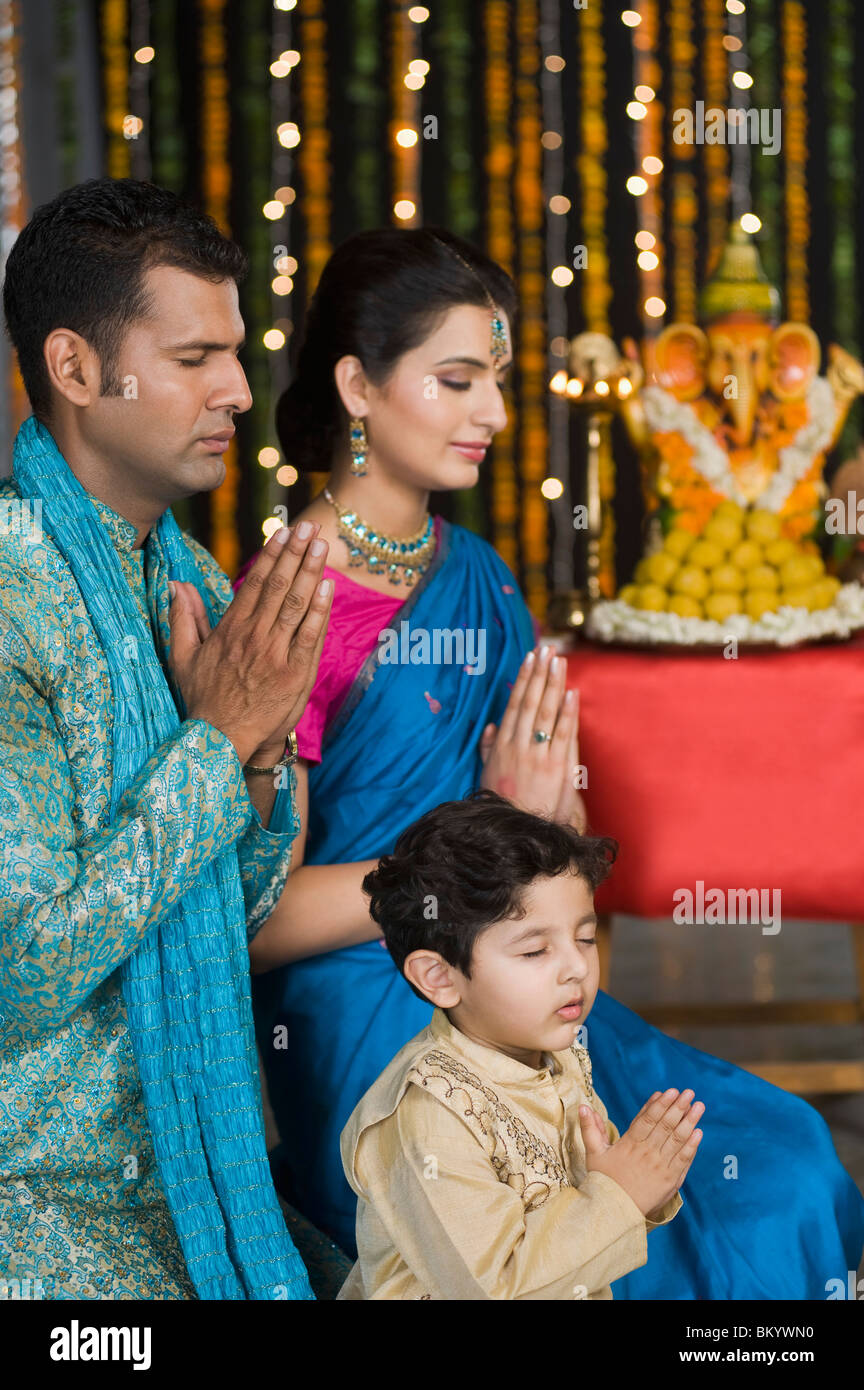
357,616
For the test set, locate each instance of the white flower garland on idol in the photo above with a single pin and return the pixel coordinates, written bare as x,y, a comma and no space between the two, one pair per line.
664,413
615,621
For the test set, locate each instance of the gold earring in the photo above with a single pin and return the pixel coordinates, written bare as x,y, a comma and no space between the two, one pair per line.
359,446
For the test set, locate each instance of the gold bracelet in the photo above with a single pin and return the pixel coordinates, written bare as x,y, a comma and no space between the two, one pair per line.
286,760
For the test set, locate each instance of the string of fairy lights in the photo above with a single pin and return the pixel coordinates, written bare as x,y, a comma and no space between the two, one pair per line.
646,111
591,258
645,108
126,102
277,212
499,97
556,486
525,163
410,72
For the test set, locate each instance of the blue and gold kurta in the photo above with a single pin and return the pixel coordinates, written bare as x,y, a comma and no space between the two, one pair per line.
82,1212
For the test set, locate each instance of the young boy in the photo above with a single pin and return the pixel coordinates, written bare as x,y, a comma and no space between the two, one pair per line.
485,1164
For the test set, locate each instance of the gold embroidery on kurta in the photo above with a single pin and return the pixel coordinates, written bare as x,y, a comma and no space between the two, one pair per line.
584,1060
520,1158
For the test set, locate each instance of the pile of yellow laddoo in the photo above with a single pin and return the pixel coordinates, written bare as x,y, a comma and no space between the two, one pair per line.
739,564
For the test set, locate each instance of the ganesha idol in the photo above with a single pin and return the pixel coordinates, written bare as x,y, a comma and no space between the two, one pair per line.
732,422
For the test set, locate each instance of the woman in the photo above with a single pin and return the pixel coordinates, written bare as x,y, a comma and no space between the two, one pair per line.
397,391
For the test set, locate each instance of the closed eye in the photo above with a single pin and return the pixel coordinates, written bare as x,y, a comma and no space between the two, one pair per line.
191,362
466,385
580,941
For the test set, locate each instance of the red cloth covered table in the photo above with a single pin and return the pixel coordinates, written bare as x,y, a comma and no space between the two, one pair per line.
745,773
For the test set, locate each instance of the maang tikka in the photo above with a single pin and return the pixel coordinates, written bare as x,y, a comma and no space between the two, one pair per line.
498,346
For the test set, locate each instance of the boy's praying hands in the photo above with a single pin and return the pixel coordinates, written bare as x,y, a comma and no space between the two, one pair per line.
651,1159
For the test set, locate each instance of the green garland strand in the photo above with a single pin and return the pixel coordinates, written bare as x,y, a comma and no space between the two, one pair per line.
366,92
169,149
66,88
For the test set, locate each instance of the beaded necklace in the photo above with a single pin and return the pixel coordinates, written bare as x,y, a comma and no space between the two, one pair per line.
384,554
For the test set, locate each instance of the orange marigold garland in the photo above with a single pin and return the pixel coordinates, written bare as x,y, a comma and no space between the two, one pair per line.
689,493
797,203
685,208
595,281
216,187
115,77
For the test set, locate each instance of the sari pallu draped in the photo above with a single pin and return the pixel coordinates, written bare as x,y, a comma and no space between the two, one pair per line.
788,1219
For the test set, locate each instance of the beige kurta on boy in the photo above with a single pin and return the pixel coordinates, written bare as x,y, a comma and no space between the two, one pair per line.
470,1172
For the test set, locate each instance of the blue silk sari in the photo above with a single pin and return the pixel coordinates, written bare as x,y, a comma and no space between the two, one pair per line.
769,1212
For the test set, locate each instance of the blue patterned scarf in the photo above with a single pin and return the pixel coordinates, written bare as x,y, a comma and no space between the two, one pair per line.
186,986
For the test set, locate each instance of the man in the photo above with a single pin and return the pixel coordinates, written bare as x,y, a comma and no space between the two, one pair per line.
135,854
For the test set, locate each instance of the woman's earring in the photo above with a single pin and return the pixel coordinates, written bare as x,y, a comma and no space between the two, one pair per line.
359,446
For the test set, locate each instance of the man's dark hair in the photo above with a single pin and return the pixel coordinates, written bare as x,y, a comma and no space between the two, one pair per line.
80,264
470,862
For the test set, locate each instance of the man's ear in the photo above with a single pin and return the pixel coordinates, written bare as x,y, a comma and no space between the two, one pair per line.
72,367
433,976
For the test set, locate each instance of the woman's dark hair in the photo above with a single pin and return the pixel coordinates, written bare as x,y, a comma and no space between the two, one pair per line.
381,294
465,865
80,263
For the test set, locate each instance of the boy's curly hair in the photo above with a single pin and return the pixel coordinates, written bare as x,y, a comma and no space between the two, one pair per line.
465,865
